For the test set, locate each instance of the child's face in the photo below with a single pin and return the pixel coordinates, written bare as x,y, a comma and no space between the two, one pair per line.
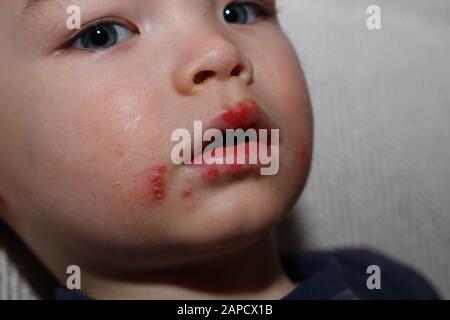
85,169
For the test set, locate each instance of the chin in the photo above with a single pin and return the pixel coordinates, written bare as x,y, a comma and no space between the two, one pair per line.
232,215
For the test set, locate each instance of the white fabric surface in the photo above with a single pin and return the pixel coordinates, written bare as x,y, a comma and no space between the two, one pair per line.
381,173
381,170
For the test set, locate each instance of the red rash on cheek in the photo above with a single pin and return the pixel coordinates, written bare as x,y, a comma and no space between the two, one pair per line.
300,153
149,187
157,185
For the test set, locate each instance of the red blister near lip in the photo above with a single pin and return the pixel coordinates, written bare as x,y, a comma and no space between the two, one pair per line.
241,114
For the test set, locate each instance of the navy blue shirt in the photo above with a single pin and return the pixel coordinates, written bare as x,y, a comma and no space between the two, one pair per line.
339,274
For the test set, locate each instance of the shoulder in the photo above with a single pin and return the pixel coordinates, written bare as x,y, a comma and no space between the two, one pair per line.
396,280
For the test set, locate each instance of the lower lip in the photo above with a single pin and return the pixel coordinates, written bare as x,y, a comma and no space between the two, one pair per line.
227,165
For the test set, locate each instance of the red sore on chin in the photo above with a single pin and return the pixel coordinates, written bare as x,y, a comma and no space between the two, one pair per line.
187,192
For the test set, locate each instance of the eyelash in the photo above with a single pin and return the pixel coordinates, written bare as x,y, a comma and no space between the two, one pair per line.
68,45
263,9
267,11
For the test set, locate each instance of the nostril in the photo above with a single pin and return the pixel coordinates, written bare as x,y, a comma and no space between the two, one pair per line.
202,76
237,70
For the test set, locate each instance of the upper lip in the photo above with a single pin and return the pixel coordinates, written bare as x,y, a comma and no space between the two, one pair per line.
245,114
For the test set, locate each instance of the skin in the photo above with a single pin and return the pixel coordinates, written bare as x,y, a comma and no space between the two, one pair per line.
84,135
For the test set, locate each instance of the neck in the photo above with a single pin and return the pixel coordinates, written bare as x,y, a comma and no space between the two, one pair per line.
253,272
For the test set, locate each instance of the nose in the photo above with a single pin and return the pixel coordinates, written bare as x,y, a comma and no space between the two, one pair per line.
216,58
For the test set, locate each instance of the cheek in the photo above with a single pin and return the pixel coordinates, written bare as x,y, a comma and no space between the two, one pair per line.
302,154
300,151
290,105
281,80
116,110
109,119
99,140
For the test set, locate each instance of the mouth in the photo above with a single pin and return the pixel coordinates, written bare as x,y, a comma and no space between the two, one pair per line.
244,128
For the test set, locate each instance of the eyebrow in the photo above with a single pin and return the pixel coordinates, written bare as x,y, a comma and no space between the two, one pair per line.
31,3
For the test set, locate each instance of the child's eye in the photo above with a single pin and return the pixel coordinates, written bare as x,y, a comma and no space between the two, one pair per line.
101,35
247,12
